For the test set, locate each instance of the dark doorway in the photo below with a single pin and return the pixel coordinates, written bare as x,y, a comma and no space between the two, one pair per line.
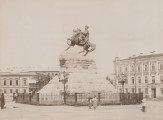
153,92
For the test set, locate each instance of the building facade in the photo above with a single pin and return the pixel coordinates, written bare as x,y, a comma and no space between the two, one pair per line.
144,73
24,82
15,82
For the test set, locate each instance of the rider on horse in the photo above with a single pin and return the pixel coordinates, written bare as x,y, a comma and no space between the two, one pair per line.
85,35
81,38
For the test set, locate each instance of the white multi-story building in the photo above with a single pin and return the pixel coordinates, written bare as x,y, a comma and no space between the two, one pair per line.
15,82
144,74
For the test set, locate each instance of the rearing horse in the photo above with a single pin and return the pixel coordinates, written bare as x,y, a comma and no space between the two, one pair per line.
87,46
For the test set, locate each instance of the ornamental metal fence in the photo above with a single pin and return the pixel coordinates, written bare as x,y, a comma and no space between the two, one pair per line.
76,99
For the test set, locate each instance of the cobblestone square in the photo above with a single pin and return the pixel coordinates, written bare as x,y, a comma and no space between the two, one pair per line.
112,112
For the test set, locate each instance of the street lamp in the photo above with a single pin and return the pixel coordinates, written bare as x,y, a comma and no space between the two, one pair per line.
63,77
122,79
134,56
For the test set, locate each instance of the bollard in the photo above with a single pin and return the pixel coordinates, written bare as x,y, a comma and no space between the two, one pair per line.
23,98
99,98
30,97
76,99
37,98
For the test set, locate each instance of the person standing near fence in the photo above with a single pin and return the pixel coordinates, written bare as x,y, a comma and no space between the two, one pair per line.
2,101
143,104
14,100
90,102
94,100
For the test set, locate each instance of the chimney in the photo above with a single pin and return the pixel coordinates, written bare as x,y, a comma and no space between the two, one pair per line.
153,52
141,54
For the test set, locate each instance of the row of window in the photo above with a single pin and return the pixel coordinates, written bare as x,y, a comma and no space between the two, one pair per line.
138,68
11,82
133,90
13,78
11,91
139,90
146,79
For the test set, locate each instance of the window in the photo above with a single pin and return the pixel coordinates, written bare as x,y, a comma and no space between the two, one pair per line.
126,90
119,69
153,67
10,90
24,81
132,90
146,79
132,68
4,82
161,66
139,79
161,79
10,82
153,79
4,90
16,90
146,67
133,81
146,90
126,69
139,90
24,90
16,82
162,91
138,67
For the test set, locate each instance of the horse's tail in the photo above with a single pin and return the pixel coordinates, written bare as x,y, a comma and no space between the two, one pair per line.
93,47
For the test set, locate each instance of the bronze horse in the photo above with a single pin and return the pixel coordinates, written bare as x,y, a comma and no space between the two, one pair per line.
87,46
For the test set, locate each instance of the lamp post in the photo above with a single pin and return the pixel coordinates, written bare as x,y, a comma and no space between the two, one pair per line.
122,79
63,77
135,71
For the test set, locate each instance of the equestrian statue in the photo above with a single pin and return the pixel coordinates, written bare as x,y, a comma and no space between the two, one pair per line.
81,39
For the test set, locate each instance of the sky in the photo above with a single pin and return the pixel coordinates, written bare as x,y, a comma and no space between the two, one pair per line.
34,32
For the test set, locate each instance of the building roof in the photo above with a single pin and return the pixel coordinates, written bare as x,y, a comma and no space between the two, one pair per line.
17,74
45,71
142,56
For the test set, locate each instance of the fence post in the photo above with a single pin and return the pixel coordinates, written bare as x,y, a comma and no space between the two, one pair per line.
38,98
23,97
140,97
121,98
99,98
129,99
29,97
76,99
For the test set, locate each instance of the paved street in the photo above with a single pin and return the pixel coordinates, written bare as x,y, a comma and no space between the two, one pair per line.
121,112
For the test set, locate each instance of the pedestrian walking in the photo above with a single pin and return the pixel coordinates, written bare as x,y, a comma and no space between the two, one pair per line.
94,100
90,102
14,100
2,101
143,104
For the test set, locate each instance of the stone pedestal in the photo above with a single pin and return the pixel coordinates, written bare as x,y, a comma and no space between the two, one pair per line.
83,76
